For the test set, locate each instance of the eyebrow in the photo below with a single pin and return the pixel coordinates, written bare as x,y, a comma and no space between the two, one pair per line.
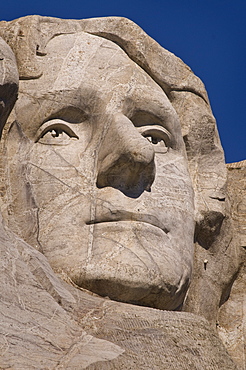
159,105
70,114
69,105
146,116
164,116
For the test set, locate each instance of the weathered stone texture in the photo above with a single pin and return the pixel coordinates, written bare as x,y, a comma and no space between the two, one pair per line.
45,324
36,332
232,315
113,181
9,81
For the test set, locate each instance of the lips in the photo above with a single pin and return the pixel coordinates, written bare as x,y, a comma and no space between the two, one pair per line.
121,215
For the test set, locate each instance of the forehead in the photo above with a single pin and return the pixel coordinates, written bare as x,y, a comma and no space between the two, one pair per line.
94,75
82,69
83,60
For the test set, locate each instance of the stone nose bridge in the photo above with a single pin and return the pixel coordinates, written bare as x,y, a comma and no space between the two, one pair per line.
126,159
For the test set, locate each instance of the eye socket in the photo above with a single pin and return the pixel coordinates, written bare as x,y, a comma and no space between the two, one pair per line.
158,136
55,132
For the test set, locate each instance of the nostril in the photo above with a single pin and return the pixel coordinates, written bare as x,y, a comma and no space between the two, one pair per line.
132,179
148,188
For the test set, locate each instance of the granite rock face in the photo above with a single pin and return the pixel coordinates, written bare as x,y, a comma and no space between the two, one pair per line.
46,323
112,179
232,315
95,153
36,331
9,81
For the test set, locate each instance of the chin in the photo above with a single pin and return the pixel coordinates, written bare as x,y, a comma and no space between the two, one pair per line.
162,292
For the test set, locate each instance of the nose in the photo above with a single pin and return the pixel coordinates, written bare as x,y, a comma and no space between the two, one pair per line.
125,159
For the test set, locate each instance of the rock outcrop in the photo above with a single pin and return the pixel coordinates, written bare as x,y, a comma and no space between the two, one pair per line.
121,246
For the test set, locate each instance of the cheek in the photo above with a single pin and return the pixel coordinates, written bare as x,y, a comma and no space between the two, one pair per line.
172,186
173,200
63,186
59,172
55,155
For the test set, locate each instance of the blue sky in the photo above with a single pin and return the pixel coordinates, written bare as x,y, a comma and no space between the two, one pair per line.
208,35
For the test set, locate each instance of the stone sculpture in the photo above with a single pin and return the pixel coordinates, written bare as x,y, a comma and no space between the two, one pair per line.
112,169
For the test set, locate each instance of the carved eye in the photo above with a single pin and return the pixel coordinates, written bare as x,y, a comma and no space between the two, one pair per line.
55,132
158,136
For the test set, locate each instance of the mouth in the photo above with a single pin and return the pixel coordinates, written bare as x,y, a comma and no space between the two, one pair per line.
121,215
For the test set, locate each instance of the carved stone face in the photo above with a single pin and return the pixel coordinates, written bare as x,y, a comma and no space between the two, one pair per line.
98,175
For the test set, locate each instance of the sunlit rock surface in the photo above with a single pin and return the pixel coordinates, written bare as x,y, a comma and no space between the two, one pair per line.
114,203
